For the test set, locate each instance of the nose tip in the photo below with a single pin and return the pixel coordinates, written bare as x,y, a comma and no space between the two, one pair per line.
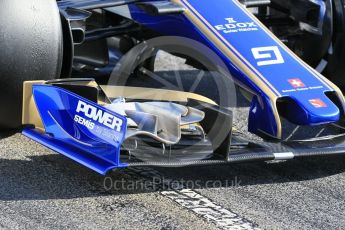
310,110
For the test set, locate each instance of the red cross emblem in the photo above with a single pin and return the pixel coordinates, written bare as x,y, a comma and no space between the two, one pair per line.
296,83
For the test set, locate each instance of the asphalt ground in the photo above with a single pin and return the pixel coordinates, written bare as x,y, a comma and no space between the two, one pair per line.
41,189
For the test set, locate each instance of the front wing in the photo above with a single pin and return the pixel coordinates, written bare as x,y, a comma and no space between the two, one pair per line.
58,115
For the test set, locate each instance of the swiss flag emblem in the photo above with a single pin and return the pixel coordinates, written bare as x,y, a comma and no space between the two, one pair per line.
296,83
317,103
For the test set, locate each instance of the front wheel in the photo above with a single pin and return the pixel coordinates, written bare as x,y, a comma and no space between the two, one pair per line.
31,48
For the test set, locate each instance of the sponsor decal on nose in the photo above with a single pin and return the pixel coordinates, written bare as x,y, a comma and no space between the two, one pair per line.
317,103
296,83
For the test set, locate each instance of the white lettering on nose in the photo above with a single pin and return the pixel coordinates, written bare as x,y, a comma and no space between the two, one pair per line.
230,20
265,57
252,24
241,24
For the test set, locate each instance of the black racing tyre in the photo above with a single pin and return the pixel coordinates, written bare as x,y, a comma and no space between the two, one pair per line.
336,69
31,49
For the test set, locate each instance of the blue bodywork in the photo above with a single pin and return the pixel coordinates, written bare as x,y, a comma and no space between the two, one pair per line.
79,128
257,60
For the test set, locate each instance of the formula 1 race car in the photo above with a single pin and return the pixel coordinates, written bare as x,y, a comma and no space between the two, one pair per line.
80,77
